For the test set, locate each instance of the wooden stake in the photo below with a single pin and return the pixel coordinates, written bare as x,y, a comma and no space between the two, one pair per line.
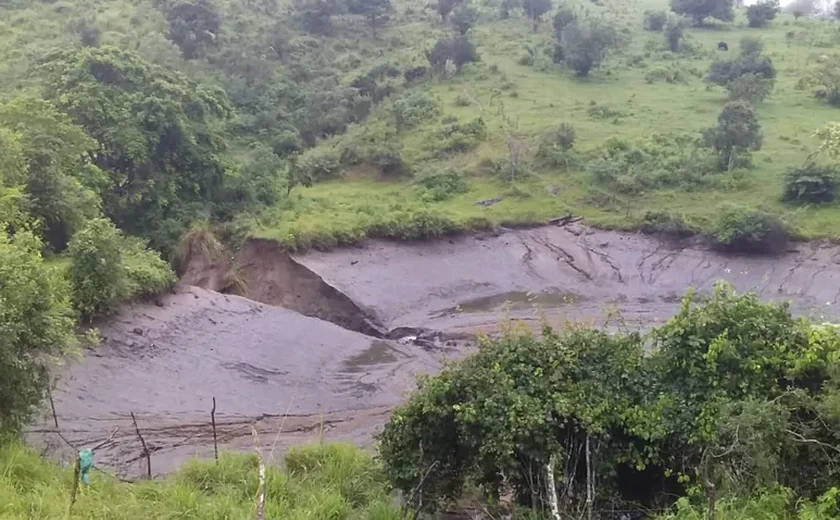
215,438
145,448
261,486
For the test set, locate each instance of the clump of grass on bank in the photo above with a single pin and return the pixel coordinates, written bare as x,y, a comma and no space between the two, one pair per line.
330,481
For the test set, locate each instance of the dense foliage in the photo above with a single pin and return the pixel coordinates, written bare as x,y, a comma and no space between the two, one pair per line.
731,397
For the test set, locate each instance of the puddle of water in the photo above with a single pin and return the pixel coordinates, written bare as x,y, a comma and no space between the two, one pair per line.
379,352
520,300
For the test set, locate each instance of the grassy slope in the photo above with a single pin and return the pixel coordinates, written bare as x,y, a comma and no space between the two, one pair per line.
322,481
546,95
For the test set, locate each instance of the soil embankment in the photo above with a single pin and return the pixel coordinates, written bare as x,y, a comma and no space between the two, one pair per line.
355,330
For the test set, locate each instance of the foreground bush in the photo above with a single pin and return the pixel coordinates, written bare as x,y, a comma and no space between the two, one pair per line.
729,391
321,481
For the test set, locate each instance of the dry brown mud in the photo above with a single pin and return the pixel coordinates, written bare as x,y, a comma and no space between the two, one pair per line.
360,323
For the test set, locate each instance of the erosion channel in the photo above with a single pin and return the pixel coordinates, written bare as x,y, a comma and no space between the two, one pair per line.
332,341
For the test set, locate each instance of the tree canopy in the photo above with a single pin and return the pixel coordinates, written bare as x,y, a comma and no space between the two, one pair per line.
699,10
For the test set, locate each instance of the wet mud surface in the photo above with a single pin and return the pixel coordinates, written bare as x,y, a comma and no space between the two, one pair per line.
294,378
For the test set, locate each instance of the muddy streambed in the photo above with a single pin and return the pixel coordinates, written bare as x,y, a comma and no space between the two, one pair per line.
340,336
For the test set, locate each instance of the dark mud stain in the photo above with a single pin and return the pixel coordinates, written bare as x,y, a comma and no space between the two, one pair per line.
379,353
517,300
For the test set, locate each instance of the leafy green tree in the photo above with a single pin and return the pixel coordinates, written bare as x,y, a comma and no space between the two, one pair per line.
674,31
762,13
194,27
444,7
585,44
159,137
14,203
458,49
811,183
736,135
97,275
36,320
464,18
60,181
750,61
535,9
699,10
376,11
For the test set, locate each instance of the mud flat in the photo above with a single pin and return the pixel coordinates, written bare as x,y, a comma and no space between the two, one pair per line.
341,335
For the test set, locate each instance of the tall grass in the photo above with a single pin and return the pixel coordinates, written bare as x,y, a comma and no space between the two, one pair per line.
325,481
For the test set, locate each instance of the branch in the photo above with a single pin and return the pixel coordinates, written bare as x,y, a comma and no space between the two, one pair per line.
145,448
798,437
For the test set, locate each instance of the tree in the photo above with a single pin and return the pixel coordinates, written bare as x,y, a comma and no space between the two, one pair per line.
760,14
535,9
800,8
375,11
563,18
699,10
36,320
61,183
296,175
826,77
585,44
464,18
674,31
750,61
737,134
750,87
158,137
458,49
655,20
835,10
194,27
316,15
444,7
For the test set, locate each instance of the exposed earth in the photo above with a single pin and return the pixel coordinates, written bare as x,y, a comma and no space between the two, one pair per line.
340,336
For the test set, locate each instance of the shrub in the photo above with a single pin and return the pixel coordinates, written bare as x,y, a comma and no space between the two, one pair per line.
827,78
98,275
413,109
760,14
702,9
442,185
751,45
749,62
670,74
413,74
320,164
748,230
555,146
459,137
655,20
750,87
386,156
810,184
147,274
665,223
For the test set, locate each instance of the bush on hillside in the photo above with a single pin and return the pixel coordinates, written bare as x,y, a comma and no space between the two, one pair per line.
762,13
811,184
36,320
750,61
458,137
750,87
674,31
413,109
751,45
737,134
699,10
556,146
826,77
748,230
442,185
564,16
666,224
320,164
463,18
147,274
655,20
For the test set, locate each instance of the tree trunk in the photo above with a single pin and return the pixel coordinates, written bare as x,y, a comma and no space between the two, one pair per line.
589,484
551,489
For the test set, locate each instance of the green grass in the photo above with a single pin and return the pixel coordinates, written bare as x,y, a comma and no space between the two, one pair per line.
533,99
330,481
